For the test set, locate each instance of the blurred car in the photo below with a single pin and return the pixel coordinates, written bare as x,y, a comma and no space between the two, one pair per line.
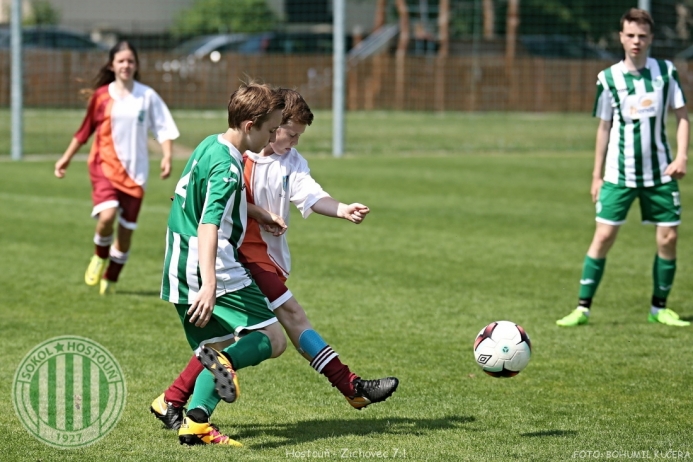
51,38
202,46
212,48
564,47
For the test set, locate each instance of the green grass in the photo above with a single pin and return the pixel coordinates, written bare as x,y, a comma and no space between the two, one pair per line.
453,242
48,131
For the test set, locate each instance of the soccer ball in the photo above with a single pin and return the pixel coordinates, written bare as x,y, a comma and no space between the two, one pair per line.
502,349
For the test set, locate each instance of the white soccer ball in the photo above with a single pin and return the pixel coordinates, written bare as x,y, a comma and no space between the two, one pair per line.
502,349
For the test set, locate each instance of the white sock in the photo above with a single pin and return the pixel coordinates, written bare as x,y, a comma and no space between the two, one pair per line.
585,311
655,310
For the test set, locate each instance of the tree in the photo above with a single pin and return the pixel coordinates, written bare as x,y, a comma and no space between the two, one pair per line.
42,14
221,16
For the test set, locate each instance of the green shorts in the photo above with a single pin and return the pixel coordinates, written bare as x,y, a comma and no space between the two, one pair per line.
659,205
244,309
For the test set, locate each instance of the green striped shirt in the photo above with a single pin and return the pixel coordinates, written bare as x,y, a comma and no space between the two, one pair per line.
210,190
638,152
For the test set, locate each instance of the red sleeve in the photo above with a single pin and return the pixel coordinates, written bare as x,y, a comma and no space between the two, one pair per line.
90,121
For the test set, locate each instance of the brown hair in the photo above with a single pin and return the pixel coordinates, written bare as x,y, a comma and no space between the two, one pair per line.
106,74
638,16
296,108
254,102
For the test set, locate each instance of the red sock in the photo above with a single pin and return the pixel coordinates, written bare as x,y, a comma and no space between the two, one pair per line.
182,388
113,271
101,251
340,376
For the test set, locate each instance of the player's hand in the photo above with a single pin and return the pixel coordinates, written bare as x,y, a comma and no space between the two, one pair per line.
273,224
200,311
165,168
595,188
677,169
355,212
61,166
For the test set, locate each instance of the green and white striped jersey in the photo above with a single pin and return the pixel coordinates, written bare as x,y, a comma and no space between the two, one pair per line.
638,152
210,190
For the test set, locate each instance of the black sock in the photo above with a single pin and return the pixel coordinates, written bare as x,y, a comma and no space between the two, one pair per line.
198,415
659,302
585,303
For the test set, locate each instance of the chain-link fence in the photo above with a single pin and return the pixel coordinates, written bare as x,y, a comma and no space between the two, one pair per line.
432,55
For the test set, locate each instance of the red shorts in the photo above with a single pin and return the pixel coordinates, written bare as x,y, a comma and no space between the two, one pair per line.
271,284
105,196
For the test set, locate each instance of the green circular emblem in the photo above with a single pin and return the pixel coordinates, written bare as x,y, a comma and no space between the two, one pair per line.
69,392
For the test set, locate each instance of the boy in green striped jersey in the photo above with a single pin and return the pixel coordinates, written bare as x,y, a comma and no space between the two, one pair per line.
632,150
214,295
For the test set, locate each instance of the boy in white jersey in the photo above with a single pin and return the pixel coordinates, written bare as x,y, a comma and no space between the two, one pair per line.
275,178
212,292
632,101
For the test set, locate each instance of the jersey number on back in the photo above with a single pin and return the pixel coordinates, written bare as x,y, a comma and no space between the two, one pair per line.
182,185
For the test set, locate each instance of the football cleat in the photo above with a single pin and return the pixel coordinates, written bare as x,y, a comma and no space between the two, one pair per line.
192,433
667,317
576,318
225,379
372,391
107,287
95,270
170,415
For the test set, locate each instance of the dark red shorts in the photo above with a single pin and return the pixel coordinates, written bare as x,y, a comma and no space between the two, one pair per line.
105,196
270,284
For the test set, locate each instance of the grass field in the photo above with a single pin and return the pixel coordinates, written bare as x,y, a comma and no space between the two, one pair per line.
454,241
49,132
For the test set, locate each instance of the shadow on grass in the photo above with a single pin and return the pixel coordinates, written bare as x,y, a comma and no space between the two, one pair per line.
550,433
313,430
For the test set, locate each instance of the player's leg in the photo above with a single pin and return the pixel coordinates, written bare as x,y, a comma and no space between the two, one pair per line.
612,209
358,392
247,313
120,250
169,406
105,199
660,205
103,238
200,431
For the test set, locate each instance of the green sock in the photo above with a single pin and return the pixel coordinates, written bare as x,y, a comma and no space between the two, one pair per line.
592,271
250,350
663,272
205,395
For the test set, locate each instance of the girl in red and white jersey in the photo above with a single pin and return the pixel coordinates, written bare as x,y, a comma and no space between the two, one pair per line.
121,112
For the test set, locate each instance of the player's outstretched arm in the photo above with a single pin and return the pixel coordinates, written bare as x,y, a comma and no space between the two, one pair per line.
677,169
268,221
201,309
330,207
62,163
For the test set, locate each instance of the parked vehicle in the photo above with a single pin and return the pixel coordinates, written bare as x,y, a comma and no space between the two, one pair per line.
564,47
51,38
212,48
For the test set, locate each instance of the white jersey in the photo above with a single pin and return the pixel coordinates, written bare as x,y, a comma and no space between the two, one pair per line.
121,126
273,183
638,152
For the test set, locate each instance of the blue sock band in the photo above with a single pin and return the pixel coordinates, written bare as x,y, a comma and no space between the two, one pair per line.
311,343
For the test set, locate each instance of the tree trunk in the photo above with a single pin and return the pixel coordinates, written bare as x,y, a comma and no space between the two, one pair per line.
513,23
489,20
380,8
443,50
403,12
